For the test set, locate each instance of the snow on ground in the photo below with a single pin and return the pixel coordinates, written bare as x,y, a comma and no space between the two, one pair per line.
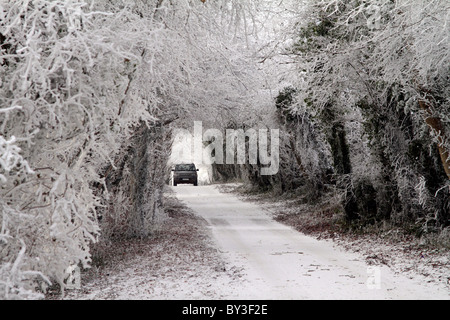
227,248
399,253
180,262
282,263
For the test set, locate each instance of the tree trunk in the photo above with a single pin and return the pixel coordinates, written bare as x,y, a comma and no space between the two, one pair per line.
436,125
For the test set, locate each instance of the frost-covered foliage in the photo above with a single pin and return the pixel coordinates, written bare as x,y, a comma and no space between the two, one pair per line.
82,83
373,75
133,205
54,107
261,40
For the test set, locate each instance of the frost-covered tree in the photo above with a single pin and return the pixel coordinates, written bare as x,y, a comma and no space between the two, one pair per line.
65,72
88,92
372,75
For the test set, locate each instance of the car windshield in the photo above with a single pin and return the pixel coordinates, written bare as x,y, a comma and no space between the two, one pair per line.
185,167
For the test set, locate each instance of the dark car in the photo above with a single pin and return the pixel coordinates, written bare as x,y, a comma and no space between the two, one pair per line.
185,174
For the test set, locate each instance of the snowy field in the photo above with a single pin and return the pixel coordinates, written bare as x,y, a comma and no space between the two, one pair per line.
226,248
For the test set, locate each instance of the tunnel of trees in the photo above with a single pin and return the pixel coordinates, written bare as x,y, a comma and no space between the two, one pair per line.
91,92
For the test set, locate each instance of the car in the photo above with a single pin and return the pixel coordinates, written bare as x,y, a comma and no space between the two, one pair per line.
185,174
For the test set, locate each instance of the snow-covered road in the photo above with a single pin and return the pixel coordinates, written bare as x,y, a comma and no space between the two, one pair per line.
281,263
